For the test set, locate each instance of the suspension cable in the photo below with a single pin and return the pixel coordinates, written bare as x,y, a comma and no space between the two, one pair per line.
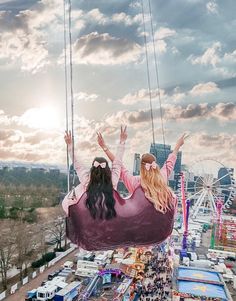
71,94
148,74
157,78
66,93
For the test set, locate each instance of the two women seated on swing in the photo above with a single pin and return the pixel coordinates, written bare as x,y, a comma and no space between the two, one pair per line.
100,181
100,219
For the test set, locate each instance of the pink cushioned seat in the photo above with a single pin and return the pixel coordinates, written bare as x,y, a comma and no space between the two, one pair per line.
137,223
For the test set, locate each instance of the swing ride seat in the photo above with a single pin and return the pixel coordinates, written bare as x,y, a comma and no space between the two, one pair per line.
137,223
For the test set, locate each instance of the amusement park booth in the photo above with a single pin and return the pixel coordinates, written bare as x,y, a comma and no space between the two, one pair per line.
199,284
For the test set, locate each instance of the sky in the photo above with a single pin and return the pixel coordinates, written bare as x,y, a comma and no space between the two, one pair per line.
195,47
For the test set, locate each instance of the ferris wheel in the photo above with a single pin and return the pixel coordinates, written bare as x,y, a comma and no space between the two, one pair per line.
207,182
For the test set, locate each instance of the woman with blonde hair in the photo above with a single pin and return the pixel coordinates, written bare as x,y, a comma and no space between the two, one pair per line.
152,179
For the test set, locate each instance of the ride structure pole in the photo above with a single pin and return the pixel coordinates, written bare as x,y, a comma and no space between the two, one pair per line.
219,206
213,236
183,199
186,207
185,235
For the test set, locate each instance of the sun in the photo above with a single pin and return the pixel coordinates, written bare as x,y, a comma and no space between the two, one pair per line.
46,118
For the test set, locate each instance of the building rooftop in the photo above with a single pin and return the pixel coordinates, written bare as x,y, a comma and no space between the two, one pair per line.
200,283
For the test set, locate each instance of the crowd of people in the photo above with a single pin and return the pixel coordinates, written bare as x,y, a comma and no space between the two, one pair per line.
157,280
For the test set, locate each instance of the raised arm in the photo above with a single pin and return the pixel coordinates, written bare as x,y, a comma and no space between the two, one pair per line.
180,143
117,165
119,171
169,165
131,182
82,172
103,145
117,159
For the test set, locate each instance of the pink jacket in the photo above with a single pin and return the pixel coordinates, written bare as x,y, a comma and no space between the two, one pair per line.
84,173
132,182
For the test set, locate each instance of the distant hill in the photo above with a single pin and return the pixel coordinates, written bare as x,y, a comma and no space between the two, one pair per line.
30,165
36,177
30,188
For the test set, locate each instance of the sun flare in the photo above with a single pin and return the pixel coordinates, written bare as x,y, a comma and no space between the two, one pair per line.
46,118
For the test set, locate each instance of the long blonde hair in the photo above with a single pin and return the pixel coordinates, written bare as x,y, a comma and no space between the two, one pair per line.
155,188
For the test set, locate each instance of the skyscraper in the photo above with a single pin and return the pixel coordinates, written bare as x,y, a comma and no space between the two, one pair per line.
161,152
136,169
224,175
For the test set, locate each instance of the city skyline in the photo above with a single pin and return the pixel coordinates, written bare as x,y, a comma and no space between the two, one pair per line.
196,62
206,170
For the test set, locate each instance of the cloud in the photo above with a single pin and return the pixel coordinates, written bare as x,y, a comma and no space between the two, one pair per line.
5,1
161,46
135,4
4,119
160,38
88,146
141,95
45,118
177,95
164,32
216,140
45,13
41,118
25,155
220,146
35,146
37,137
220,112
24,47
48,146
23,36
212,7
83,96
230,57
126,19
204,88
103,49
225,111
209,57
141,140
96,16
9,135
222,64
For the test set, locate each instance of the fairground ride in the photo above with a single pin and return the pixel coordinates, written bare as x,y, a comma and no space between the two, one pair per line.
207,182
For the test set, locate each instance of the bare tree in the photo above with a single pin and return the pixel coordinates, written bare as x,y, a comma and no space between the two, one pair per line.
26,244
7,249
58,231
42,247
55,225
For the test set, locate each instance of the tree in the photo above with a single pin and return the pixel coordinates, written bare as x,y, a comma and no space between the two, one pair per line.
7,249
58,231
26,245
2,208
41,238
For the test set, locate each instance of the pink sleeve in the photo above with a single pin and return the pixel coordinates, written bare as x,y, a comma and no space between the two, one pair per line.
71,199
131,182
168,166
68,201
82,172
117,164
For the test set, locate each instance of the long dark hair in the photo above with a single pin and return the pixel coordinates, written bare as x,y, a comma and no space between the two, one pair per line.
100,200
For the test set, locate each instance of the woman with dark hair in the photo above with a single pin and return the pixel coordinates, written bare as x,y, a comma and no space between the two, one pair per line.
98,182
